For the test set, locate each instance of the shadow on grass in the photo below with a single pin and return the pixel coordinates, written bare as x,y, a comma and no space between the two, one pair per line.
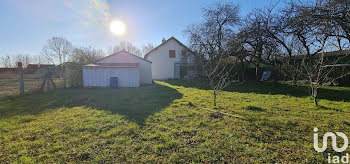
253,108
135,103
327,108
329,93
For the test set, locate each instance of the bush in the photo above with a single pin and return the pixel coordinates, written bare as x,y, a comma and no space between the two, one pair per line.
74,74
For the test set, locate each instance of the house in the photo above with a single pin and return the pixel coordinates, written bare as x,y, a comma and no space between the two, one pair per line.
121,69
171,59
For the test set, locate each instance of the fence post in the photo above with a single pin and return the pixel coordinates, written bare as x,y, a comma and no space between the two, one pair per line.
64,77
20,78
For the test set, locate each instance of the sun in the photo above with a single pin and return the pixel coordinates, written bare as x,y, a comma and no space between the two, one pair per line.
117,27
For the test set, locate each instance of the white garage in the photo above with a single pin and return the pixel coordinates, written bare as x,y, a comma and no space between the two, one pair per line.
121,69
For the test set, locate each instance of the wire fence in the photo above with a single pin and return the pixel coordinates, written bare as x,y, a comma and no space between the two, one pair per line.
10,87
40,79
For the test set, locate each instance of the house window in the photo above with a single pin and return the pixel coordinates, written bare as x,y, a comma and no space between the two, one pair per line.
171,53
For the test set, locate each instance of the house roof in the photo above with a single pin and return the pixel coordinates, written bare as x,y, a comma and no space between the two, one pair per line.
340,52
329,53
118,54
146,56
113,65
36,66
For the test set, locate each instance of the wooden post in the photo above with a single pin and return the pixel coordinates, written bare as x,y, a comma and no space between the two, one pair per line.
64,77
45,79
20,78
48,85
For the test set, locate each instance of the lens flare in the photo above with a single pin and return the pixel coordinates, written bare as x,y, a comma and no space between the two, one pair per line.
90,12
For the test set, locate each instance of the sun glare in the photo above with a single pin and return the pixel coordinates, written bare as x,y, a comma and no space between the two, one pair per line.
117,27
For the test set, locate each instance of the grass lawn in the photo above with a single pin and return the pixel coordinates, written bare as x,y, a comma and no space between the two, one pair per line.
168,122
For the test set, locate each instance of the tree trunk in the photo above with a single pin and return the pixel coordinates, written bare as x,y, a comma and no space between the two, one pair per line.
242,76
64,78
314,95
315,101
274,77
294,81
214,96
243,71
257,73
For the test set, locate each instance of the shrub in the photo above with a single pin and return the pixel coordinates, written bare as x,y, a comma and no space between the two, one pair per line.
74,74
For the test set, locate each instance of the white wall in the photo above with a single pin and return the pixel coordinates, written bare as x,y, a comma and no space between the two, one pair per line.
124,57
162,65
100,77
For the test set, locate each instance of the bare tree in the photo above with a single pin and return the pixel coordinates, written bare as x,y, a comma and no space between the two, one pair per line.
320,69
240,55
313,34
85,55
39,59
209,40
127,46
24,59
57,49
147,48
264,40
6,61
337,15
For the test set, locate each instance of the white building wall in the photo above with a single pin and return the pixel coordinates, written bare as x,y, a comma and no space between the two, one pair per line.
144,67
100,76
162,65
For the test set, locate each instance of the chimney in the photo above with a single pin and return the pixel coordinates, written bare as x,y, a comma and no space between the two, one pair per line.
163,40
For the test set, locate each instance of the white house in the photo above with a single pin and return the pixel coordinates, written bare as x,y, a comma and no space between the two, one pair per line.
171,59
121,69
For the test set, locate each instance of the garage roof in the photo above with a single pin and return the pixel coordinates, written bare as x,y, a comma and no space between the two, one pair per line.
120,52
114,65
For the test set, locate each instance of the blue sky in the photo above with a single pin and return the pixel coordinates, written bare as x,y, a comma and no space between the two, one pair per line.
27,24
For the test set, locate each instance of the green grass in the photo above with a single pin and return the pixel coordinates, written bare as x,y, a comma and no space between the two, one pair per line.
168,122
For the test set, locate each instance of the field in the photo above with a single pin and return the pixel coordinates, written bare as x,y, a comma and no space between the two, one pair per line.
169,122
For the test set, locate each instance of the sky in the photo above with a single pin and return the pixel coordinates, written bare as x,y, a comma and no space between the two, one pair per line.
26,25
